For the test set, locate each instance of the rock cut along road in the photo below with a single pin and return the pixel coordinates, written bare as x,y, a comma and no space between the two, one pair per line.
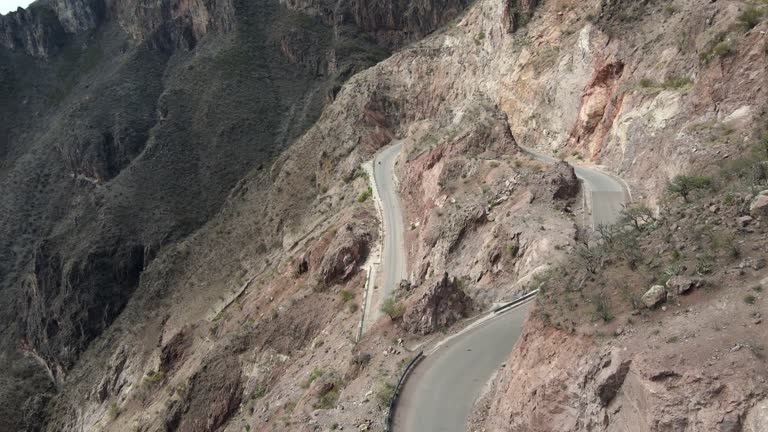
441,391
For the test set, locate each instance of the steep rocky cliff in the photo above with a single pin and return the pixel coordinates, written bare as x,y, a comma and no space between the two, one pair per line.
127,126
184,217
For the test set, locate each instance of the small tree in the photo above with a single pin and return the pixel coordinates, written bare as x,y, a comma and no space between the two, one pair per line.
590,252
393,308
637,216
683,185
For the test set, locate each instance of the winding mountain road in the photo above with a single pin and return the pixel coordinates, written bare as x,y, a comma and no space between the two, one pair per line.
393,258
605,194
442,390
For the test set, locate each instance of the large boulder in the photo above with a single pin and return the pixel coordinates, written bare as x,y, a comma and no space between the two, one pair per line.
559,183
680,284
441,305
346,253
654,296
759,205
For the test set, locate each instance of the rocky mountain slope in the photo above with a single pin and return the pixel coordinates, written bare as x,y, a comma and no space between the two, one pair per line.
184,217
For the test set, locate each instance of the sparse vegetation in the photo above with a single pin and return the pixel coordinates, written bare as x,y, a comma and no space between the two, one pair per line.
750,299
315,374
749,18
328,399
113,411
259,392
393,308
364,195
720,49
704,265
384,393
684,185
673,83
346,295
602,308
152,377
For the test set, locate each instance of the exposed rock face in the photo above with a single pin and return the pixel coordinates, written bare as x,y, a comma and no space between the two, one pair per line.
68,303
167,24
517,13
599,108
392,22
213,394
573,385
172,24
346,252
610,379
174,352
441,305
35,31
115,377
77,16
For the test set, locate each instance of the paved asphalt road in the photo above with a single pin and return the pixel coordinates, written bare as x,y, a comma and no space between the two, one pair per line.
393,257
441,391
606,194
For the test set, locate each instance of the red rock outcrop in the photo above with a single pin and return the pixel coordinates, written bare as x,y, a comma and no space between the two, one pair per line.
346,252
599,107
213,394
441,305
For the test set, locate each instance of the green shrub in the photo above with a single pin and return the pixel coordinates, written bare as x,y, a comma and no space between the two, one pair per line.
721,49
749,18
346,295
679,83
704,265
602,308
384,393
673,83
315,374
393,308
683,185
259,392
750,299
364,195
113,411
153,377
637,216
328,400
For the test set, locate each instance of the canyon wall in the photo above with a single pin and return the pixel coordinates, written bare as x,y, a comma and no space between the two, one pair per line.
185,217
